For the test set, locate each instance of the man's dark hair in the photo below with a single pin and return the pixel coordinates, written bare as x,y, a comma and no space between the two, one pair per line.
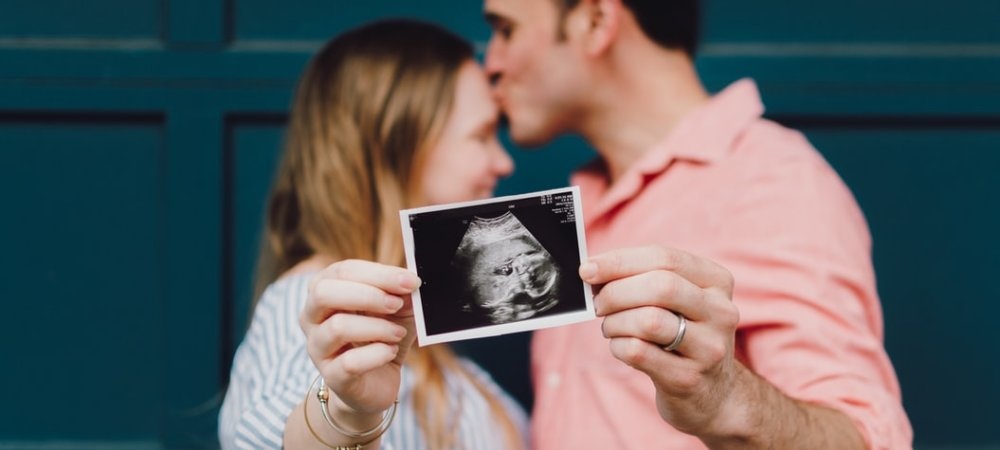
670,23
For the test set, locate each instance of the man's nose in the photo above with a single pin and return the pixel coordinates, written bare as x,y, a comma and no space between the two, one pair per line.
493,63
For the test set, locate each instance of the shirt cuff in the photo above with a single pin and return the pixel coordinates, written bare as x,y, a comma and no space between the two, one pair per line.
878,415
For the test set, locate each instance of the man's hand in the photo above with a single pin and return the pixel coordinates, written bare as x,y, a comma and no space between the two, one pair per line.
642,294
700,387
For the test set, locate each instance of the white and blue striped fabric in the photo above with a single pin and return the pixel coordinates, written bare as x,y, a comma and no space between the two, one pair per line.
271,372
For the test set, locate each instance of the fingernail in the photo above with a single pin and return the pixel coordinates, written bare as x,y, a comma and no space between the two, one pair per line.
400,332
588,271
409,281
597,306
393,303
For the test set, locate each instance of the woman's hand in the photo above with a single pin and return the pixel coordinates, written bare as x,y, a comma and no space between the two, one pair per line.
358,322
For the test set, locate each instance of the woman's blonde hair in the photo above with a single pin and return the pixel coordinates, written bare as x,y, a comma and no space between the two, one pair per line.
367,108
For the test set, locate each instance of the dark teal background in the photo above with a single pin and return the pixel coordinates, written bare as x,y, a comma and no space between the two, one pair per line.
137,138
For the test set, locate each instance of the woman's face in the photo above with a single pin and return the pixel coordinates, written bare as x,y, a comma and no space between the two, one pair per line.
467,159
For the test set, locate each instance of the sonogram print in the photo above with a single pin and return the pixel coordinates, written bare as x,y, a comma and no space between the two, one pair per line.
497,266
509,275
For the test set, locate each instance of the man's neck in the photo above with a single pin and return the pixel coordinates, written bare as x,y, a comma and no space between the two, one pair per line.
639,102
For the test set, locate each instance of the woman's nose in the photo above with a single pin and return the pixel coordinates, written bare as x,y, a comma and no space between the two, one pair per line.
503,164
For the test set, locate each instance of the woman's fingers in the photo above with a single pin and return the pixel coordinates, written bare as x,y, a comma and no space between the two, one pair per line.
342,331
331,295
358,325
391,279
347,367
357,286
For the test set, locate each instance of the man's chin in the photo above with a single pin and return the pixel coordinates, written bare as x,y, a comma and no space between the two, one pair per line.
524,131
527,138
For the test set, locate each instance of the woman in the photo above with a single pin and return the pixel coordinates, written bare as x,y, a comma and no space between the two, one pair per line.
388,116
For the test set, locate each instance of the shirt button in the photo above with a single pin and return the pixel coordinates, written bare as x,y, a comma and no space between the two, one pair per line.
553,379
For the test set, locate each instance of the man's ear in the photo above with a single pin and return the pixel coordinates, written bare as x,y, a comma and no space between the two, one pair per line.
603,22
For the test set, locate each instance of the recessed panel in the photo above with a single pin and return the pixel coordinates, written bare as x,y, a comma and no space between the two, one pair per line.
82,236
256,147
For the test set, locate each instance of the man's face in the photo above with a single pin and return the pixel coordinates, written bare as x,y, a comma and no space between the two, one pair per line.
536,75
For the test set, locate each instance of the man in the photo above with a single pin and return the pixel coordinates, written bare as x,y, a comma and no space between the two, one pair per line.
790,356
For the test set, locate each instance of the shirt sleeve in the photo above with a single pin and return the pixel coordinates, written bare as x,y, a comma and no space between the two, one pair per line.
811,323
271,372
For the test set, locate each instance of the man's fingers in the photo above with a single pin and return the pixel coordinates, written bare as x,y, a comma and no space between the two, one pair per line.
627,262
659,288
654,325
673,373
659,327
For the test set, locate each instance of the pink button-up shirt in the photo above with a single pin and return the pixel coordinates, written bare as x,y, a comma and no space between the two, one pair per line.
759,200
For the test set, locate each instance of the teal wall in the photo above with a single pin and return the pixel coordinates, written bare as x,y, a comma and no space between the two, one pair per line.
137,138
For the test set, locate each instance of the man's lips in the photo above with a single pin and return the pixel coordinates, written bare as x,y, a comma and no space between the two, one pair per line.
500,98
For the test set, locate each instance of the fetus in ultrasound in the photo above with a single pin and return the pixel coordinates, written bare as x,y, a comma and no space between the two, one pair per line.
509,276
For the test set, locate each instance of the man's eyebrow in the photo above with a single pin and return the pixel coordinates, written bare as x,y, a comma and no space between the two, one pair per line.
493,18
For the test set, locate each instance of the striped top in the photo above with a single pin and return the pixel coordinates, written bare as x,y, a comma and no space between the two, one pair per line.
272,371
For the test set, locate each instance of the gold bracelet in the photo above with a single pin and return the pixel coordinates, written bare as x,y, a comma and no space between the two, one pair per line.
305,413
323,395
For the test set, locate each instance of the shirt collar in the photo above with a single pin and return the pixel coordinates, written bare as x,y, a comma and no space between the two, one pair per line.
707,134
703,136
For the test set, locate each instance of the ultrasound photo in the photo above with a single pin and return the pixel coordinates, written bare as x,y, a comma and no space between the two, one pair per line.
497,266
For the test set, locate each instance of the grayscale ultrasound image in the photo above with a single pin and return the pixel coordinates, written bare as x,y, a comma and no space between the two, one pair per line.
509,274
498,263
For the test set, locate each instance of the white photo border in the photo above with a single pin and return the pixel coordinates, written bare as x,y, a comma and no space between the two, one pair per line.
506,328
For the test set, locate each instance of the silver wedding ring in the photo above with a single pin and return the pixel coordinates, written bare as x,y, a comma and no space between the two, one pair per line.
682,325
